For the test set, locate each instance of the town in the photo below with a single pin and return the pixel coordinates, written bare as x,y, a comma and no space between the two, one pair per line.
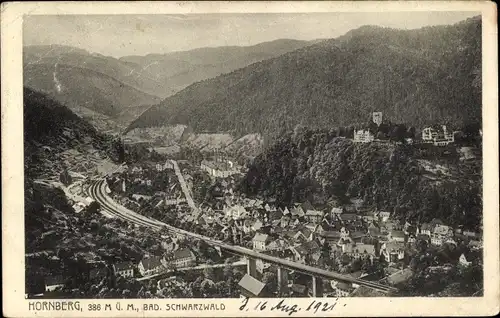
353,239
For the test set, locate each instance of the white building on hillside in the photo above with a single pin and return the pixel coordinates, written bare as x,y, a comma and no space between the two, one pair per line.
363,136
218,169
441,137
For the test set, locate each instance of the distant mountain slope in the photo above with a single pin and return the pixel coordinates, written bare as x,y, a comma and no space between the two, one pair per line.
128,73
177,70
419,77
76,86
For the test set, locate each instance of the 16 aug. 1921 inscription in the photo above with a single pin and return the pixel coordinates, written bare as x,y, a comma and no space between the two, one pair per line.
287,305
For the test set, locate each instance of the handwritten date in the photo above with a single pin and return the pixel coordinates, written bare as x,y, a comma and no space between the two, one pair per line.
287,306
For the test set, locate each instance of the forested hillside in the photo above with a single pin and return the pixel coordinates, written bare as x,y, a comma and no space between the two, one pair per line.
420,77
77,87
51,129
416,183
176,70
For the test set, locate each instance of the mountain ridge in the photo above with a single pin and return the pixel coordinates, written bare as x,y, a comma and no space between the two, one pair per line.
404,73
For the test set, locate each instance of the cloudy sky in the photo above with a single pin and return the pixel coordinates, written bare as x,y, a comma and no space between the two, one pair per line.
120,35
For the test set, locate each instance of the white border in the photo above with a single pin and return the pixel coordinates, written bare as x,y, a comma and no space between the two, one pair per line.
12,155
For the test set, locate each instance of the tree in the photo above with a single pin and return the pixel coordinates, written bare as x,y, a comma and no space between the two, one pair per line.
356,264
209,273
207,287
366,265
381,136
410,133
222,289
398,133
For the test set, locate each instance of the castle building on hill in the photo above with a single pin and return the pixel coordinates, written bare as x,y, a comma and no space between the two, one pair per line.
377,118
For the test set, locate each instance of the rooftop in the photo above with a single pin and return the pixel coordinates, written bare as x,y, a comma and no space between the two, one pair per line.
261,237
183,253
251,284
314,213
396,233
151,262
121,266
400,276
298,288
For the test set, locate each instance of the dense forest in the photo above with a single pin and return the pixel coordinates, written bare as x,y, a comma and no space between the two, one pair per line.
51,128
416,182
418,77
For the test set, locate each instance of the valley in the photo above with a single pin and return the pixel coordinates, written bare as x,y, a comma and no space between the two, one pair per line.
343,167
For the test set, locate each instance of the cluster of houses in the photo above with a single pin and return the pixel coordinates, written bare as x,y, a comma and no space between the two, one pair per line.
174,259
301,233
144,177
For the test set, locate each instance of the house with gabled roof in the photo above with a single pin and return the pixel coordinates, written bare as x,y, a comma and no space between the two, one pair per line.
313,216
236,212
257,225
150,265
331,237
324,226
285,220
316,258
436,221
393,251
182,258
247,226
297,212
276,215
348,217
336,212
370,216
373,230
363,250
304,250
426,229
260,241
269,208
384,216
443,230
251,287
306,232
343,289
277,245
276,223
357,236
397,236
400,276
124,269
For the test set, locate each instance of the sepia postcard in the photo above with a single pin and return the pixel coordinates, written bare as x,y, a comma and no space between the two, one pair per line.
245,159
